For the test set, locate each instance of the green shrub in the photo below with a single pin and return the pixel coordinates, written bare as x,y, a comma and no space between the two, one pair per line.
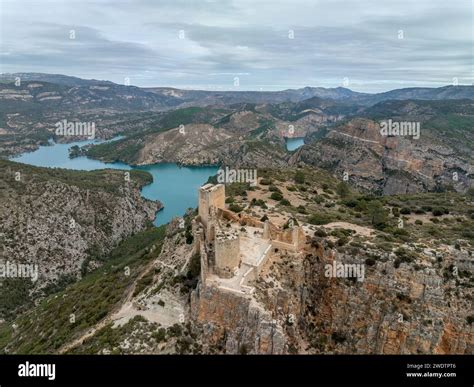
319,219
276,196
235,208
299,177
302,210
320,233
343,189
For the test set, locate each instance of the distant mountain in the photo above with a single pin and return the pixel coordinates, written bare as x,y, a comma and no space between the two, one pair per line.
59,79
426,93
204,97
171,97
38,93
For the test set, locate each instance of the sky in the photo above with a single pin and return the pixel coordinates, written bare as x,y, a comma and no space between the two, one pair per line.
365,45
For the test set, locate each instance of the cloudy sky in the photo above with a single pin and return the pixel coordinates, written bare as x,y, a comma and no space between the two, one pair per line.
243,44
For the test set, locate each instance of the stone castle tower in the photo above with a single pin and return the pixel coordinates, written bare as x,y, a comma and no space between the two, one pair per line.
225,243
210,195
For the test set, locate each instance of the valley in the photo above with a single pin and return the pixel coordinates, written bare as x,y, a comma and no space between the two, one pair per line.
128,265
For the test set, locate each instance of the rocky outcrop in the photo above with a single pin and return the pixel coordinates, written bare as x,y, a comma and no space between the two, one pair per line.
65,221
194,144
388,165
403,310
235,323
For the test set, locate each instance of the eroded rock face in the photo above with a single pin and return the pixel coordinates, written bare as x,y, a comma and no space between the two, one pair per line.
236,323
195,144
59,222
394,311
202,144
388,165
416,308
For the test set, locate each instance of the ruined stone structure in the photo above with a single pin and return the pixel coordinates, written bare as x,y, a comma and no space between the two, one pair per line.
234,247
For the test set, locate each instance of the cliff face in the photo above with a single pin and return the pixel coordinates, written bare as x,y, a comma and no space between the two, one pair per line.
403,310
65,221
389,165
234,323
190,144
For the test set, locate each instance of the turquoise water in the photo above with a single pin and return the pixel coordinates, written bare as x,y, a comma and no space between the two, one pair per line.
294,143
176,187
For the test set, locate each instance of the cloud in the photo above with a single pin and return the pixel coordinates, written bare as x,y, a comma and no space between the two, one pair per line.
267,44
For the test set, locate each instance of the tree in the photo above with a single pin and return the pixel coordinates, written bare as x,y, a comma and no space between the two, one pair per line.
378,214
343,189
299,177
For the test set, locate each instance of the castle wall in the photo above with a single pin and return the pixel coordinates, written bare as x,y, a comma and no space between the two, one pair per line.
292,239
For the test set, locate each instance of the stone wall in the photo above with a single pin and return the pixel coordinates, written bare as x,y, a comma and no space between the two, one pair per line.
227,254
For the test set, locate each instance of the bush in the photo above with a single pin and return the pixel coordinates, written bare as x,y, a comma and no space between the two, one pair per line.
418,222
235,208
285,202
302,209
276,196
403,255
320,233
405,211
342,241
378,214
343,190
319,219
299,177
438,212
265,181
159,335
319,199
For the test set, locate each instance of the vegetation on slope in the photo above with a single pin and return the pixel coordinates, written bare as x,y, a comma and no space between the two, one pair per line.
63,316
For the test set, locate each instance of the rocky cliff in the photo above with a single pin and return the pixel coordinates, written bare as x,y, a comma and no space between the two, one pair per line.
388,164
65,222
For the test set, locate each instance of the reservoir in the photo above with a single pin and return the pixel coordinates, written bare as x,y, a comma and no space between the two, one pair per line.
294,143
175,186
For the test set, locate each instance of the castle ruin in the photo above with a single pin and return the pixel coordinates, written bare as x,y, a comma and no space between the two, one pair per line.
234,247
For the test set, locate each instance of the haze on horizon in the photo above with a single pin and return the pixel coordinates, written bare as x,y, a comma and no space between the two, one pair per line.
367,46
